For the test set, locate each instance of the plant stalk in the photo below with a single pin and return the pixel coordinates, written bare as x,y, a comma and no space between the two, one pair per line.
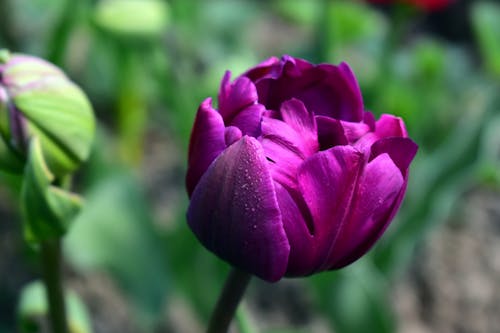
228,302
50,251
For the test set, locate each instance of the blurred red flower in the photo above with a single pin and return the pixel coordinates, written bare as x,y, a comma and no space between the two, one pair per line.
428,5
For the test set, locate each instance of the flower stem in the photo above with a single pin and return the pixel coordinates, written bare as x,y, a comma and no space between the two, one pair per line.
231,295
132,106
50,251
63,27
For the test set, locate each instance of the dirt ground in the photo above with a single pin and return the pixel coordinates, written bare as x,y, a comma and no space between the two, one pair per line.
453,284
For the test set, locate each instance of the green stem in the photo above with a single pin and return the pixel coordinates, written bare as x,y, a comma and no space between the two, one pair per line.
132,106
58,42
50,251
7,33
231,295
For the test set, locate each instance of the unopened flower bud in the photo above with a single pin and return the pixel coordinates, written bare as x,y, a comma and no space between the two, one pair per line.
38,99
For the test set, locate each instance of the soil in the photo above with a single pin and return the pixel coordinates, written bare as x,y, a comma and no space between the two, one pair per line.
453,284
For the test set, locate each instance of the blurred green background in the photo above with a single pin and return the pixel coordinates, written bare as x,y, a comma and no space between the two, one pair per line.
146,66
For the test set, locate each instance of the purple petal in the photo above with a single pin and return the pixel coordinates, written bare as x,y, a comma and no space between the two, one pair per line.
302,244
334,93
328,181
390,126
279,131
330,133
294,67
270,68
354,131
248,120
401,150
234,212
284,160
207,142
372,206
295,114
387,126
325,89
369,119
265,77
282,148
235,96
232,134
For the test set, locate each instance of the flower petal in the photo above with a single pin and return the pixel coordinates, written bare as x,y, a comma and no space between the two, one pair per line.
235,96
234,212
335,94
377,193
248,120
369,119
295,114
302,244
327,181
269,68
330,132
284,160
232,134
207,142
354,131
282,148
325,89
401,150
389,126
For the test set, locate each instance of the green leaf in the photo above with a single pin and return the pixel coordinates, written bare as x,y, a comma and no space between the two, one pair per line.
303,12
356,299
33,307
486,23
114,232
9,160
47,211
489,154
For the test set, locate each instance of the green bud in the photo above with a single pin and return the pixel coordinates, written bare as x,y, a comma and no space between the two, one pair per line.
132,18
33,307
38,100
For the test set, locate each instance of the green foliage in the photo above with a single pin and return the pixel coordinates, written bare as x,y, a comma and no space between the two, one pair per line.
47,210
487,27
132,18
33,308
115,232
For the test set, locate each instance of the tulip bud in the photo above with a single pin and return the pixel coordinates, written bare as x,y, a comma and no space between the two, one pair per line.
38,99
291,176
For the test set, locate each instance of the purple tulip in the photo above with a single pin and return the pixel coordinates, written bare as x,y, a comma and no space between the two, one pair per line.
291,176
